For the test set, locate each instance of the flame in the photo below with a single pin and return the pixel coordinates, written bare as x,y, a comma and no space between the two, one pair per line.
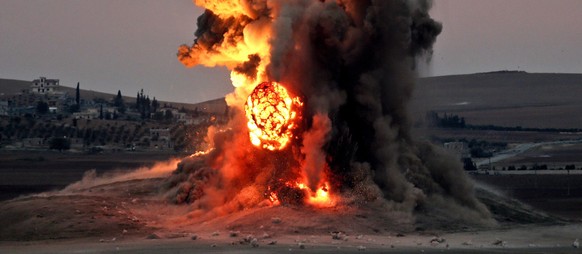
271,112
272,196
320,198
273,115
246,33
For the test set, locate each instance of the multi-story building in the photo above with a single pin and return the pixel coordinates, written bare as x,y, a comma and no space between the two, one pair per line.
43,85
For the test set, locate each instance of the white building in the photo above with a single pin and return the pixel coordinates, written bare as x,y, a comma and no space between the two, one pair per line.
44,86
4,108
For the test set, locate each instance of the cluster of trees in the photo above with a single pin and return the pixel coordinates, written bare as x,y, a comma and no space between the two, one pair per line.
482,148
447,121
119,103
58,134
145,106
538,167
454,121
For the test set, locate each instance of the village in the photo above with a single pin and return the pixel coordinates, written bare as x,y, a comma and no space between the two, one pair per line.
47,115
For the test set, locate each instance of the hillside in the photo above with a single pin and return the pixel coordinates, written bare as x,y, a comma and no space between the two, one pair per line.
536,100
9,87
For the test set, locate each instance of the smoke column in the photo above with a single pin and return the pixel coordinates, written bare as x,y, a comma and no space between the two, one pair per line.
354,63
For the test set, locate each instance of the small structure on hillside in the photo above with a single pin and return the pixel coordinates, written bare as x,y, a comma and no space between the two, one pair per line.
160,139
4,110
459,149
160,134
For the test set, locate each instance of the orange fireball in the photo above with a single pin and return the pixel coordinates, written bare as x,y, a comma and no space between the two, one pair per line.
272,114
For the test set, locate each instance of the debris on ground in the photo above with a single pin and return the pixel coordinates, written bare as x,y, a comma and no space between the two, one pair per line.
153,236
437,240
255,242
301,245
499,242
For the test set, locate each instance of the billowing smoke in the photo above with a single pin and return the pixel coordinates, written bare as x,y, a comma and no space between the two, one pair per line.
353,62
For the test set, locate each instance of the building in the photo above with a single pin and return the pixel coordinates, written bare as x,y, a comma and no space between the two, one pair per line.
35,143
87,114
43,85
161,145
188,120
4,110
460,149
24,99
160,139
160,134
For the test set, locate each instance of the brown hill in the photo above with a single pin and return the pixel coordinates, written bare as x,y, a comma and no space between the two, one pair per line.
536,100
10,87
506,98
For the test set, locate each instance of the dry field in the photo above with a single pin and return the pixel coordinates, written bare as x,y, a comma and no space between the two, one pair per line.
25,172
557,195
554,156
504,98
510,137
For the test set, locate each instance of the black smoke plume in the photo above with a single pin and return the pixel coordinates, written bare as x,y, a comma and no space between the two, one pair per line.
354,62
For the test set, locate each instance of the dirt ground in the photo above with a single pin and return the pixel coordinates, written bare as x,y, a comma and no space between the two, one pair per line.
535,239
25,172
124,210
130,217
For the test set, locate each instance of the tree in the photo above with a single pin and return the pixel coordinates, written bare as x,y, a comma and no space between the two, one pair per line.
118,102
137,100
155,105
469,165
147,106
42,107
168,116
78,96
60,144
101,112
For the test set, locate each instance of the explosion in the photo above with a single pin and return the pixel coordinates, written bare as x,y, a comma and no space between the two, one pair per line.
347,139
271,113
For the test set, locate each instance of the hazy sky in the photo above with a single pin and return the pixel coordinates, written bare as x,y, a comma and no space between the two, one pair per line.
131,44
